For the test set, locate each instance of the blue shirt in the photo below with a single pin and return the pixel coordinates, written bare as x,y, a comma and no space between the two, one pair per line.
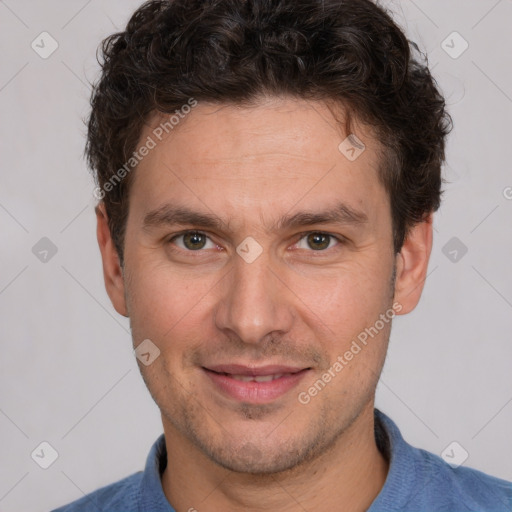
417,481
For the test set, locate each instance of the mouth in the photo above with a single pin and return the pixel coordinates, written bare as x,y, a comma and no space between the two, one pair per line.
255,385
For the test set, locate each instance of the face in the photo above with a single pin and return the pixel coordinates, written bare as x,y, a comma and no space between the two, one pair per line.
256,254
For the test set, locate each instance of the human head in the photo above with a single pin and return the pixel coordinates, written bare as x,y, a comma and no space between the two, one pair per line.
257,145
345,52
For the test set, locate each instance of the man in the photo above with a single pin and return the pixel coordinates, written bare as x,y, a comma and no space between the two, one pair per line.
267,173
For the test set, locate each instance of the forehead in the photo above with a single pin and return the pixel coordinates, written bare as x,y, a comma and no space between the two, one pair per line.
301,128
278,152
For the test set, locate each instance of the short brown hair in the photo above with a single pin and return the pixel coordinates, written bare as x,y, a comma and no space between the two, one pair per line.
233,51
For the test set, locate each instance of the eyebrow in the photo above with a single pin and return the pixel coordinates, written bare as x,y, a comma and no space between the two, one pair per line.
170,215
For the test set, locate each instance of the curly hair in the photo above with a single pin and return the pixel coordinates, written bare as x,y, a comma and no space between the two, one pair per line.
349,52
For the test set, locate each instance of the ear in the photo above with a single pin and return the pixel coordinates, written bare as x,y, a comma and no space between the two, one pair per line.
412,264
112,272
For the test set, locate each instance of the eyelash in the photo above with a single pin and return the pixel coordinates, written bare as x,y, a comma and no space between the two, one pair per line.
339,239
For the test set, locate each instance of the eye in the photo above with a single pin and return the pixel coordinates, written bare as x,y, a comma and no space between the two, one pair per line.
317,240
192,241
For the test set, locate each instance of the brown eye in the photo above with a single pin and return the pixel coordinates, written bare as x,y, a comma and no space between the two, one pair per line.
191,240
318,241
194,241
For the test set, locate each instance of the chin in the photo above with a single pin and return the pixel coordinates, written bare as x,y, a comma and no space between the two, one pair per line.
261,457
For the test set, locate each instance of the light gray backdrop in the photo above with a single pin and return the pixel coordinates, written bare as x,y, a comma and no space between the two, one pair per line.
67,373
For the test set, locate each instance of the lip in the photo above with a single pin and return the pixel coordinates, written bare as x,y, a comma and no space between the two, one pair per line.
254,392
238,369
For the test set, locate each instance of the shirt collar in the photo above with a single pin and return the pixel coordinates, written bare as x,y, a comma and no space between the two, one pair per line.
404,466
151,495
402,472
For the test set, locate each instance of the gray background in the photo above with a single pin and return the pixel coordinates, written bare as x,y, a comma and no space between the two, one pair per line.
67,373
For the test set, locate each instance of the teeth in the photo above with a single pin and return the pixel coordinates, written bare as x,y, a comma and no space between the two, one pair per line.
257,378
243,378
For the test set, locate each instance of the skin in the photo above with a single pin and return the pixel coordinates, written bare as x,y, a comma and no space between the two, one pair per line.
295,304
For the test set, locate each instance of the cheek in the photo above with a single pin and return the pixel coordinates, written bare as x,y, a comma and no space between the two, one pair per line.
347,298
163,302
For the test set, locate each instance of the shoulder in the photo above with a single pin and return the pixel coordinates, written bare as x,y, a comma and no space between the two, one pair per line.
463,487
419,480
120,496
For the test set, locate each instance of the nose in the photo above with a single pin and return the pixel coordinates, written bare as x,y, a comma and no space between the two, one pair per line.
254,303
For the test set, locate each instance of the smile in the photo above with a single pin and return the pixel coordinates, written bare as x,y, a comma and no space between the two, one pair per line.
254,385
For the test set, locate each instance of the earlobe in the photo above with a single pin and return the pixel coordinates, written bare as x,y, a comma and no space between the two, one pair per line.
112,272
412,265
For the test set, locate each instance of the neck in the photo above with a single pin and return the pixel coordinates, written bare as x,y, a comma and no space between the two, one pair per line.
352,472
